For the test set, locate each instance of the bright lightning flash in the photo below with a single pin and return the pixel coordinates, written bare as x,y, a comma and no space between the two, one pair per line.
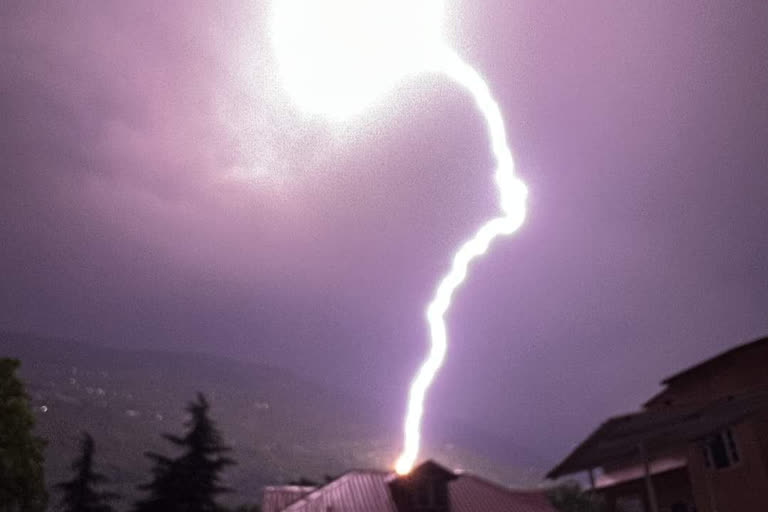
338,56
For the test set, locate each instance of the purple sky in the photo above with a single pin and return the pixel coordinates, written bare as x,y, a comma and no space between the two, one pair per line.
159,190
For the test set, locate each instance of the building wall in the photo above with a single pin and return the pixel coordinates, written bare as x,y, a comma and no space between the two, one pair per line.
739,488
744,486
761,430
672,487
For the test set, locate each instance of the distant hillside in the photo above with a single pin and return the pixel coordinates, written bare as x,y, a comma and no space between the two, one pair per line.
280,426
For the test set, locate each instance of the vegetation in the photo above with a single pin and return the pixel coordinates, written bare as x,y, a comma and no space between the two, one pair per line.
568,497
247,508
22,485
190,479
303,481
79,494
190,482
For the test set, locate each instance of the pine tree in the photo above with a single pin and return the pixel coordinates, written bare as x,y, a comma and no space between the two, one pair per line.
191,482
79,493
21,452
568,497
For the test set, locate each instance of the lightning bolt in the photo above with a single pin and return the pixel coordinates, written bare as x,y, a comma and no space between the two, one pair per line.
336,57
512,198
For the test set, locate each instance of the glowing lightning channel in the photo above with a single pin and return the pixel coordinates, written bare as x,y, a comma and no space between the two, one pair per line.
512,194
338,56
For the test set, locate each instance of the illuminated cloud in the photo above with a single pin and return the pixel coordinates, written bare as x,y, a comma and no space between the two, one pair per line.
337,56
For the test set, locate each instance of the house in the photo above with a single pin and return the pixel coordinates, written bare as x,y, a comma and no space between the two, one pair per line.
428,488
277,497
701,444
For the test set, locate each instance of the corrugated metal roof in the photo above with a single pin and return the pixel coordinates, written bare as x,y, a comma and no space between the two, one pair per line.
277,497
355,491
369,491
469,493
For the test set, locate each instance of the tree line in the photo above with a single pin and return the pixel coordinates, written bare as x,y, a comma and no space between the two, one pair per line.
189,482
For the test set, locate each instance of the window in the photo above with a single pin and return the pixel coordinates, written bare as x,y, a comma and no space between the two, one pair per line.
720,450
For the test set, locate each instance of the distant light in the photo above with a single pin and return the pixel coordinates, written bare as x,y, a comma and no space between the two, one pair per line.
43,408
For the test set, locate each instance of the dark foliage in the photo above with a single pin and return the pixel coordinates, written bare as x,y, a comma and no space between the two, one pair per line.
304,482
247,508
21,453
80,493
191,482
569,497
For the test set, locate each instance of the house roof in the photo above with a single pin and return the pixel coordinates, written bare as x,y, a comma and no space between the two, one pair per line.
728,353
619,438
370,491
632,473
356,490
276,497
470,493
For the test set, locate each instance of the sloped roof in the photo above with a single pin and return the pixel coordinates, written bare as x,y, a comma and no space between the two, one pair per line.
637,471
470,493
277,497
354,491
728,353
618,438
369,491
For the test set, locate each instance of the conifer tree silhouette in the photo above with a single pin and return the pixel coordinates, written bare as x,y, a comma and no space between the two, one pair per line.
190,482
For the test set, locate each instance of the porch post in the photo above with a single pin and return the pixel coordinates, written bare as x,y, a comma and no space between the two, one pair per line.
648,480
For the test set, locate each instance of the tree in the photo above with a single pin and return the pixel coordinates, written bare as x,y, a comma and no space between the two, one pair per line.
568,497
247,508
79,493
22,487
191,482
303,482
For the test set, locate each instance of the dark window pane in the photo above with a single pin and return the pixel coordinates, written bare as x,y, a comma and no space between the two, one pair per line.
718,452
734,452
